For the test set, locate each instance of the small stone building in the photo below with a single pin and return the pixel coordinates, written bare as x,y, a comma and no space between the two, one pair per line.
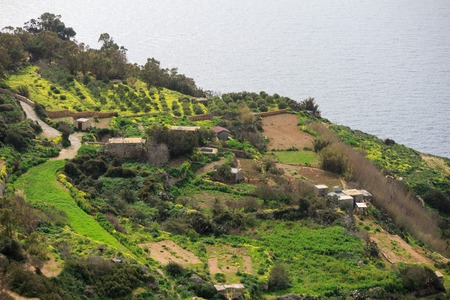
361,208
82,124
320,190
356,194
185,128
125,147
231,291
221,132
238,174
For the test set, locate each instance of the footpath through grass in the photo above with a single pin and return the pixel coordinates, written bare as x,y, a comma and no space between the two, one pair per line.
40,186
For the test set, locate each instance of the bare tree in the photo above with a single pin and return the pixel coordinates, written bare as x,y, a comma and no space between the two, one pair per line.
156,154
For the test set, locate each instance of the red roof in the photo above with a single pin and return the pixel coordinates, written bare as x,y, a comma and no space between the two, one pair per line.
219,129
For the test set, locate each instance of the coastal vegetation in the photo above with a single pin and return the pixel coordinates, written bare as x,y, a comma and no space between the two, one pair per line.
162,216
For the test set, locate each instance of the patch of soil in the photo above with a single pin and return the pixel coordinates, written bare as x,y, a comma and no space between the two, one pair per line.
102,123
51,268
167,251
314,175
213,266
283,132
228,260
395,250
210,167
248,267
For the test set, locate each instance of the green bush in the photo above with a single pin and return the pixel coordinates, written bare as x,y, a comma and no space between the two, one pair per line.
23,90
4,85
175,270
420,280
333,159
278,278
320,143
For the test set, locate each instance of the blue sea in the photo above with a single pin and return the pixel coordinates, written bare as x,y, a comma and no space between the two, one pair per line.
381,66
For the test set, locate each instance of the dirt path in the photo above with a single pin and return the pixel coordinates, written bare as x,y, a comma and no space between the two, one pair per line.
283,132
71,152
210,167
50,132
47,130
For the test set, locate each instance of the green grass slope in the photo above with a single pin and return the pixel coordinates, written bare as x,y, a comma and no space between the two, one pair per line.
40,186
323,260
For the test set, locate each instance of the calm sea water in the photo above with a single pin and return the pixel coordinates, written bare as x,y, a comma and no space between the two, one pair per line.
380,66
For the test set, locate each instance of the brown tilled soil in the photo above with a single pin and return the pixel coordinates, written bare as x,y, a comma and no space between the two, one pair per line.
283,132
248,267
167,251
227,260
314,175
395,250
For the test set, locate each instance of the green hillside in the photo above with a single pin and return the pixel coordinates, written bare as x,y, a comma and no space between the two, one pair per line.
83,93
173,214
40,187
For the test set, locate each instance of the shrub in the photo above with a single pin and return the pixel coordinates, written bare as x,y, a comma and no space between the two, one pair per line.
4,85
438,200
175,270
23,90
220,277
62,97
282,105
332,159
278,278
319,144
420,280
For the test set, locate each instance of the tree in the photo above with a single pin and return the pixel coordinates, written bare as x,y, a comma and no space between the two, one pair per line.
278,278
156,154
310,104
319,143
333,159
50,22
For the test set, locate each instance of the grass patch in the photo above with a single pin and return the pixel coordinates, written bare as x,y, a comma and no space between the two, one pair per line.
306,158
322,260
40,187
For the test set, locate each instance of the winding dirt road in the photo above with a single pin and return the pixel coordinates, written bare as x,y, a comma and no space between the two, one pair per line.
47,130
50,132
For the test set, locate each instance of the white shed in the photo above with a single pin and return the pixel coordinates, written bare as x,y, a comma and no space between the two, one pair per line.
82,124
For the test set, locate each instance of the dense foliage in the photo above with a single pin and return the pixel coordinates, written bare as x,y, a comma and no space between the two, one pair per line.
48,41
